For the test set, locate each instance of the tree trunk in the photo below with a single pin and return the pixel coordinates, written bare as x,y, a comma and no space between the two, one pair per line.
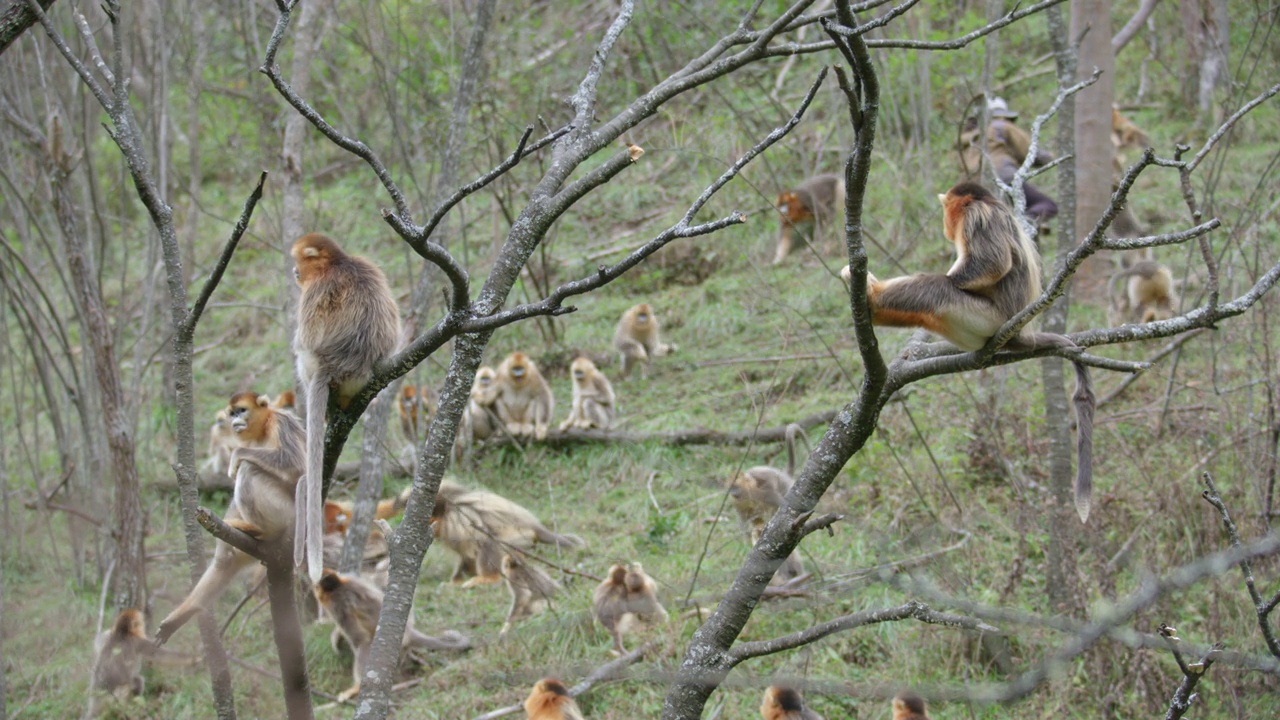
129,580
1063,523
1093,148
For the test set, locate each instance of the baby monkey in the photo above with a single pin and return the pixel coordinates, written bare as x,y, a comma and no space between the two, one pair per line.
355,604
627,601
593,398
550,700
118,654
996,275
784,703
757,494
531,589
815,204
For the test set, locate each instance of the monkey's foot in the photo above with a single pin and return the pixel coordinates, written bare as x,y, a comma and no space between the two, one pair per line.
349,693
247,528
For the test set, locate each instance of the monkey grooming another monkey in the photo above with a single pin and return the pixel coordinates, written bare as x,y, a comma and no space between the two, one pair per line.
627,601
814,203
550,700
996,274
593,398
1148,294
637,340
909,706
355,604
531,589
525,402
266,466
757,494
347,322
784,703
481,527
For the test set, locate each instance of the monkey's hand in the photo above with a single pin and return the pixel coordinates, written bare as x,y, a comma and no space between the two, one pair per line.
233,465
349,693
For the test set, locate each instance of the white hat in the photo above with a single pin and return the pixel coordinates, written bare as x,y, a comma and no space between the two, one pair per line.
999,108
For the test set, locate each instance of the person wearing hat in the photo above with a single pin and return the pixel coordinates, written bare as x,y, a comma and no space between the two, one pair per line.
1007,146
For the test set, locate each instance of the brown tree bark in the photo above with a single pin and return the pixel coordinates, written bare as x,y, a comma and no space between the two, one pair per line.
1093,148
1060,573
129,580
15,19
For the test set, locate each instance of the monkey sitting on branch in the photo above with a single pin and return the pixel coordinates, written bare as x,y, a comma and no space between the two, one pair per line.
355,605
481,527
814,204
627,601
348,321
996,274
757,494
266,466
637,339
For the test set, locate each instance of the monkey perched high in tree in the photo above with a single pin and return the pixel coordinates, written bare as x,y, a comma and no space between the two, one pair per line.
996,275
347,322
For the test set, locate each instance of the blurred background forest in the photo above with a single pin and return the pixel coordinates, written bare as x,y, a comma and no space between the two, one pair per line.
950,490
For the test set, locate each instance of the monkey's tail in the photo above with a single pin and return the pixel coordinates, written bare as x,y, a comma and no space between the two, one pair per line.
449,640
308,544
543,535
1085,403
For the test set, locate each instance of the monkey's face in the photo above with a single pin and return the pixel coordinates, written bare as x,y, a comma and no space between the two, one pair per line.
518,367
244,410
643,313
580,368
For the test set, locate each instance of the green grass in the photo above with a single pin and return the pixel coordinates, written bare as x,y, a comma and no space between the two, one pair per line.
966,452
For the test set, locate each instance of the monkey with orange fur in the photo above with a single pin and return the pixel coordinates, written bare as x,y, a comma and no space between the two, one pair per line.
417,407
347,322
815,203
266,466
550,700
996,274
118,654
784,703
525,403
593,397
909,706
355,605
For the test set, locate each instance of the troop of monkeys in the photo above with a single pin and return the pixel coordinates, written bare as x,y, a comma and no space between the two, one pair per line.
348,322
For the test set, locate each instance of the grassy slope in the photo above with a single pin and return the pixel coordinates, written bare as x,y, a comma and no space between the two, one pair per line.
897,503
